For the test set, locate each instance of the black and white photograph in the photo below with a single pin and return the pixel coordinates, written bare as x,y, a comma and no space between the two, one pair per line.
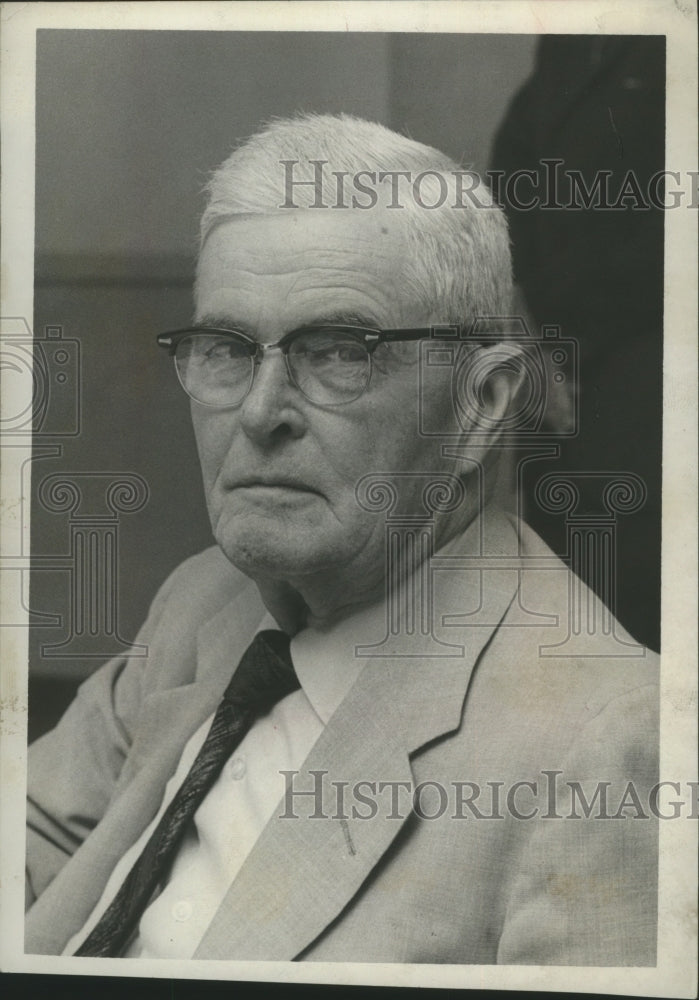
349,480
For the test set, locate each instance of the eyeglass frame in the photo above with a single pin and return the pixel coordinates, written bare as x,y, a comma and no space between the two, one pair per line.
373,337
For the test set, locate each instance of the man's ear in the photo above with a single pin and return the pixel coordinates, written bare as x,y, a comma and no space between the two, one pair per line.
489,384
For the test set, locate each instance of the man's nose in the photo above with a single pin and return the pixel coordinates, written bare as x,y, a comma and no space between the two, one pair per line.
270,411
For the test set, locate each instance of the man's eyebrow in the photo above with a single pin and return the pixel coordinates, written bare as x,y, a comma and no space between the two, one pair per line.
344,319
219,322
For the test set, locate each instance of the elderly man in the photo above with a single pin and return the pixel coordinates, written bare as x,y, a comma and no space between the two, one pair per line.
420,773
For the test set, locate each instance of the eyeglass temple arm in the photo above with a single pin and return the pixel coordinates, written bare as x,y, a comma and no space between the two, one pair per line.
437,332
169,340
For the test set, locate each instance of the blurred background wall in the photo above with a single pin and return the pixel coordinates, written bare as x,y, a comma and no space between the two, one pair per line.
128,125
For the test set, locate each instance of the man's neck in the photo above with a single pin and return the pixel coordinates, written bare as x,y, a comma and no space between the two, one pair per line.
321,603
318,604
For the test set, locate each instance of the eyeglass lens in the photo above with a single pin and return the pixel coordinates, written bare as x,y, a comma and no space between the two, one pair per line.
329,366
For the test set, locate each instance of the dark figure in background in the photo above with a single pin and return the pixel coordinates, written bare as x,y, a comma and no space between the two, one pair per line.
597,104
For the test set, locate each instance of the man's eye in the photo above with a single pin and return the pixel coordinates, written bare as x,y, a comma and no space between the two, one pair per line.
222,350
351,352
341,352
219,352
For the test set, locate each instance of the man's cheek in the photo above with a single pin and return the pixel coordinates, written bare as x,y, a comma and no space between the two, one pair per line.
212,449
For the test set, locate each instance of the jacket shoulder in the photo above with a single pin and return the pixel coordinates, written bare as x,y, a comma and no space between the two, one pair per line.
202,584
565,644
194,592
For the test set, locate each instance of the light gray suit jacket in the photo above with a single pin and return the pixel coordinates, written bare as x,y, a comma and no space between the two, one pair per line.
458,890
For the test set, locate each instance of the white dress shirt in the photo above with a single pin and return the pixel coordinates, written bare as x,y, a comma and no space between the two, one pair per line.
244,797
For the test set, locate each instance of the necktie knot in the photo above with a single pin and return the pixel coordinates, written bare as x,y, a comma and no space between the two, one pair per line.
265,673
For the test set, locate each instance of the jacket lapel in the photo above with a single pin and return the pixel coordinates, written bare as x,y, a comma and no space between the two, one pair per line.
170,714
314,855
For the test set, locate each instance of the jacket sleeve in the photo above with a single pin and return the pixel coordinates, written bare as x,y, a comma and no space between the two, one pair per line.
72,770
585,892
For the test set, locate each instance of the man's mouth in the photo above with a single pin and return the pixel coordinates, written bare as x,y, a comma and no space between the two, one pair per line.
274,482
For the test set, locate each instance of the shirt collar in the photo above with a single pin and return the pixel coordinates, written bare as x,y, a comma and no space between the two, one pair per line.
325,658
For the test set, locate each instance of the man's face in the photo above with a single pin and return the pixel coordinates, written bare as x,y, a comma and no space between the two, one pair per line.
280,471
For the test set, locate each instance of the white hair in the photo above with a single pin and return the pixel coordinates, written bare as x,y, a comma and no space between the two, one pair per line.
459,257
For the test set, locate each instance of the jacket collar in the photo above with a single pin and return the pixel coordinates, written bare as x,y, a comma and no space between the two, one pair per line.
302,872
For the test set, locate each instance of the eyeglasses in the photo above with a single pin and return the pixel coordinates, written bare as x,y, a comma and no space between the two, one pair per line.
330,365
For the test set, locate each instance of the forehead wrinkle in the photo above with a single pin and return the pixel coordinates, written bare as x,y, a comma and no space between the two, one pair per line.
368,299
357,260
317,275
275,261
322,282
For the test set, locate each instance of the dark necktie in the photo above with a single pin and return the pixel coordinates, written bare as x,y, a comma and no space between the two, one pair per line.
265,674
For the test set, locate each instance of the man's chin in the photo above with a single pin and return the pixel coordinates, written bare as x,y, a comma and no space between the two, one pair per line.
272,556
